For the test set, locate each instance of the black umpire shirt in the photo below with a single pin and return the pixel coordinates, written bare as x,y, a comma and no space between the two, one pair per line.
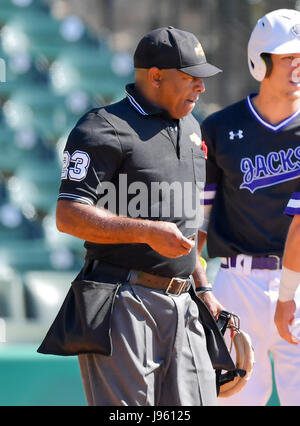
135,160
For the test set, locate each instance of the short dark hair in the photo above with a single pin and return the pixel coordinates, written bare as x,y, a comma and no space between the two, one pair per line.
267,58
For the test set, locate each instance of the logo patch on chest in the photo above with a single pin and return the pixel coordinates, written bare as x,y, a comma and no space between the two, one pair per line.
195,139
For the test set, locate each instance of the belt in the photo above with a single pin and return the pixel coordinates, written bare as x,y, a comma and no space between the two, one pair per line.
174,285
271,262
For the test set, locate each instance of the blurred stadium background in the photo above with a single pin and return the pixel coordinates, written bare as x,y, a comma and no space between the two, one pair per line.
59,58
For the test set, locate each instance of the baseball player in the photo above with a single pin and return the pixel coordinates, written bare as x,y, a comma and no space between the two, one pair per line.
253,166
290,277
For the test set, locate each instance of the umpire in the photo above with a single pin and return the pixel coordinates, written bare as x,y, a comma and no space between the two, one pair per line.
129,314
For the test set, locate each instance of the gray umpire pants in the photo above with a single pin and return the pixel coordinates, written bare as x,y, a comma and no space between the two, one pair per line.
159,354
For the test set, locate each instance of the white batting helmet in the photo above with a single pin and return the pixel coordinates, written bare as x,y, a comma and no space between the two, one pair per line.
277,32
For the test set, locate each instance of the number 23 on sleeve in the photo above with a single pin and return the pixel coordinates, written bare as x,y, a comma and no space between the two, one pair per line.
75,166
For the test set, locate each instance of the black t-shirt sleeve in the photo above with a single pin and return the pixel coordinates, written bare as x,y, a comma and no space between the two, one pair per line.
92,155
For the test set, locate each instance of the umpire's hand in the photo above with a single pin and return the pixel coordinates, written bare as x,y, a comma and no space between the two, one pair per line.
167,239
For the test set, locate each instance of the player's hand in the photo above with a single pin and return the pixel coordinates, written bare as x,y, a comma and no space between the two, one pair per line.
284,316
168,240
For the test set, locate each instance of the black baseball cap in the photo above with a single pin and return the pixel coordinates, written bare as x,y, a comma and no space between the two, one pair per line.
169,47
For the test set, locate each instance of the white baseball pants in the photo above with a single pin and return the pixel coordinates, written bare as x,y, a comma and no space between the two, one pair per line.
252,294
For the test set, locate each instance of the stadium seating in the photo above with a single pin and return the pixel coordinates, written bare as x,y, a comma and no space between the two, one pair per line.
37,184
8,8
45,292
11,295
33,119
90,69
11,155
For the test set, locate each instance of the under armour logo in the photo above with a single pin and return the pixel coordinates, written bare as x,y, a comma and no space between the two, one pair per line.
238,134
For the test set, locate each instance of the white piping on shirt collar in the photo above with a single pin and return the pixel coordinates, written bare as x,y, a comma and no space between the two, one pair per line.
135,104
269,125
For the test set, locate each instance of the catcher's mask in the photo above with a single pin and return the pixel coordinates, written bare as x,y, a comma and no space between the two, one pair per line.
233,381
